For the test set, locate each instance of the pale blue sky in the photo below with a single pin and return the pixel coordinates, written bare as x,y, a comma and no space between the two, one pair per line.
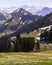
17,3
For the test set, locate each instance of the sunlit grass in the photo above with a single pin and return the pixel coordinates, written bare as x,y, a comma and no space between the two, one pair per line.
29,58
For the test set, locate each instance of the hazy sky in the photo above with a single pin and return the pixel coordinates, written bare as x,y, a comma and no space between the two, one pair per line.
17,3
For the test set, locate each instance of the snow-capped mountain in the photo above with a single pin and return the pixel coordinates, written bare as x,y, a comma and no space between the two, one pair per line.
20,18
19,13
25,10
13,13
44,11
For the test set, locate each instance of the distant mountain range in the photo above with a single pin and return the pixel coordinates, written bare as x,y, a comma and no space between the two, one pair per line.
32,9
44,11
31,26
24,21
24,10
38,10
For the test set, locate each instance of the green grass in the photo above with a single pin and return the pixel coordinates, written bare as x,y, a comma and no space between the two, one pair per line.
29,58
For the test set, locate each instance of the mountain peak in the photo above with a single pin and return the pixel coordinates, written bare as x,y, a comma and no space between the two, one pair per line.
19,13
44,11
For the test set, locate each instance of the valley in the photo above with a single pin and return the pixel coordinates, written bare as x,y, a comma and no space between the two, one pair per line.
26,36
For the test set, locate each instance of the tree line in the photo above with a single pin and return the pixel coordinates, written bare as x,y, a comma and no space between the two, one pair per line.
19,44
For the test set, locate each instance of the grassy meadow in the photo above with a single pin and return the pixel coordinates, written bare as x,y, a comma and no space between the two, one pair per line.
28,58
